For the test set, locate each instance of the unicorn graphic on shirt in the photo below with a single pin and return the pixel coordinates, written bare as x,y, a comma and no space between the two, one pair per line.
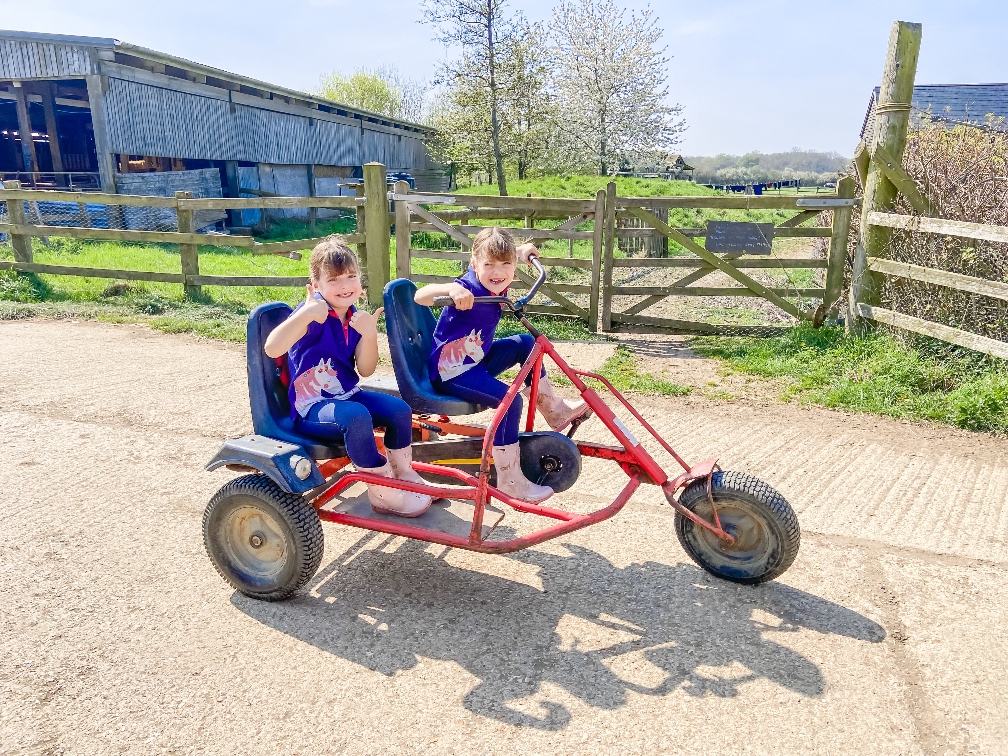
452,361
315,384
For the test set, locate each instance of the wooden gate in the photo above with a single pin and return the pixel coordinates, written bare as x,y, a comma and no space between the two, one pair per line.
461,216
697,263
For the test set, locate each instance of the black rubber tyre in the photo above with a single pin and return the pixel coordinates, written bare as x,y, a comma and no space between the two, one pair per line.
763,523
550,459
265,542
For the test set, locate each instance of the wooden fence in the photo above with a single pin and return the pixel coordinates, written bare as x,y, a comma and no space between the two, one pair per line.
418,212
581,288
700,262
21,232
879,165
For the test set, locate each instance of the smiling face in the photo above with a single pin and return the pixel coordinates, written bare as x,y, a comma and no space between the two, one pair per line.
495,275
339,290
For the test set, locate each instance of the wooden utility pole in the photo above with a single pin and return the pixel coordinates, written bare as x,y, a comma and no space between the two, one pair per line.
376,229
892,115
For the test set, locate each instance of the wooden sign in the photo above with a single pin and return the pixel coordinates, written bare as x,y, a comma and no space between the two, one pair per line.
735,236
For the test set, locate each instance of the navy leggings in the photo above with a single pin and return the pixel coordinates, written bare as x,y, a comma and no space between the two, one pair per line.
478,384
355,419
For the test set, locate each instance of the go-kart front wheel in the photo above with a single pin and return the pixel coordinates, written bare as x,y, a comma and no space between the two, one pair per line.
763,524
265,542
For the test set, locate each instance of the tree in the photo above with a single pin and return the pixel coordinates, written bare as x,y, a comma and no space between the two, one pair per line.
484,31
609,77
529,113
384,90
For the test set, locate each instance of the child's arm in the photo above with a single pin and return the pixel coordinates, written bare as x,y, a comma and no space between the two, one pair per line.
292,330
366,353
462,297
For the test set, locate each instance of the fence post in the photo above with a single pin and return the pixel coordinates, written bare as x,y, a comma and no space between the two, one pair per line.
361,246
16,216
837,255
892,114
596,271
188,252
376,228
402,232
609,241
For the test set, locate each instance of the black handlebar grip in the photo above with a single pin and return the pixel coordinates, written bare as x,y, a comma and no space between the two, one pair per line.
443,302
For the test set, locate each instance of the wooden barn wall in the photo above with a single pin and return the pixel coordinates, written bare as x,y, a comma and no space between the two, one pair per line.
21,59
150,120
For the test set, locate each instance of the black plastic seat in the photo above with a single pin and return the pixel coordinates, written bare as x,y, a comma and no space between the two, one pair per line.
410,332
267,393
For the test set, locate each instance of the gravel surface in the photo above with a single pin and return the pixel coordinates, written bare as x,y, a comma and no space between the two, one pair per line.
887,635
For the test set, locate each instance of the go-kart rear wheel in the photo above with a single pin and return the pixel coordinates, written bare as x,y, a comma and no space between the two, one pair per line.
763,524
550,459
265,542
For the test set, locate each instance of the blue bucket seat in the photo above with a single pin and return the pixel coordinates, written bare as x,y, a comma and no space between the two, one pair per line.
268,394
410,332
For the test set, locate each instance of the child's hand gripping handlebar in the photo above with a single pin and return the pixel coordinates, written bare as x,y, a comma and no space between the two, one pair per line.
515,306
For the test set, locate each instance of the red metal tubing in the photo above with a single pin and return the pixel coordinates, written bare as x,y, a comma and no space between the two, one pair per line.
534,394
492,547
636,414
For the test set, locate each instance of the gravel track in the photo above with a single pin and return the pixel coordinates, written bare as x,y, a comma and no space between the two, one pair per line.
888,634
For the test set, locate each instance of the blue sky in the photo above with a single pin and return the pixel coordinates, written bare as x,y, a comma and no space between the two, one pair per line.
763,75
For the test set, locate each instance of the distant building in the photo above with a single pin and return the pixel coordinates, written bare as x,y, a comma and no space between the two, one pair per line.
100,110
668,167
953,103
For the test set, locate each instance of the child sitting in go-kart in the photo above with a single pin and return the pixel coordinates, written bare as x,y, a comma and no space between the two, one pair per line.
328,342
460,366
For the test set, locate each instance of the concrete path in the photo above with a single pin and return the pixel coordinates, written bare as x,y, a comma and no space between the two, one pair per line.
888,635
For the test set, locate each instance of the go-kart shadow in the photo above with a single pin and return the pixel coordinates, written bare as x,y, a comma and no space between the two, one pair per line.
384,611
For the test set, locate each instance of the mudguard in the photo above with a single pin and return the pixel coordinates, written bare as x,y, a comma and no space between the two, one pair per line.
277,459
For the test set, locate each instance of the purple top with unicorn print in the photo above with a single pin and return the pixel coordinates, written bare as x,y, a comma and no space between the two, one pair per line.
321,364
460,336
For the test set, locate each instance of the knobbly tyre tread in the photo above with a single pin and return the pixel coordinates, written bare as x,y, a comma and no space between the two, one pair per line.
297,514
749,488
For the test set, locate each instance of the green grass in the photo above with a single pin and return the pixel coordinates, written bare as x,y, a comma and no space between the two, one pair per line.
623,372
587,186
880,374
220,312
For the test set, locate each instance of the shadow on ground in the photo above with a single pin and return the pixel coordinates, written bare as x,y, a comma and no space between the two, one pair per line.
591,620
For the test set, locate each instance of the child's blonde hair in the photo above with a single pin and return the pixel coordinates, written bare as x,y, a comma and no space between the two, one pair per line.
332,254
496,243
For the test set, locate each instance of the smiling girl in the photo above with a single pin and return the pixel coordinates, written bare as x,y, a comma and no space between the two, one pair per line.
329,344
466,359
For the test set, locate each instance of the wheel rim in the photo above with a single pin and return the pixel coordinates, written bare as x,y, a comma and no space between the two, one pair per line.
255,542
751,533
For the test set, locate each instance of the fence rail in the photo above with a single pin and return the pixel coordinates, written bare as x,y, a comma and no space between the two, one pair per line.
703,262
958,281
21,232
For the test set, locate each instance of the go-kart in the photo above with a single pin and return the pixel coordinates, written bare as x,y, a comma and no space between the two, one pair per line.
263,530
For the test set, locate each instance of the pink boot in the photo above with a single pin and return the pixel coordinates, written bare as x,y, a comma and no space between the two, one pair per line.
394,501
559,413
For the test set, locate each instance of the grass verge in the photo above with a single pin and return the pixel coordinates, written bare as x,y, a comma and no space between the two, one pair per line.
622,370
883,374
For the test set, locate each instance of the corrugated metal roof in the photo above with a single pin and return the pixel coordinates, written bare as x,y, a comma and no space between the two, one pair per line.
955,103
118,46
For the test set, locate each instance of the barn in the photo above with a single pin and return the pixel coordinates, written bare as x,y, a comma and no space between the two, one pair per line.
951,103
105,114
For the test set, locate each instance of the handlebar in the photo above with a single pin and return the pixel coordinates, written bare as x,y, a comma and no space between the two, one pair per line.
515,306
